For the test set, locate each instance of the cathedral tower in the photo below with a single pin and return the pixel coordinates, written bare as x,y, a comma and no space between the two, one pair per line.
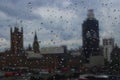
36,44
16,40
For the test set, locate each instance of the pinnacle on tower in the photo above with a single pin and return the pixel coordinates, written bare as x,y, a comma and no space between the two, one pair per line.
35,37
21,29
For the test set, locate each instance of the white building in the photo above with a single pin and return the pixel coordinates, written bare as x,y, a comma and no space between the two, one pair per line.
52,50
31,54
108,46
44,51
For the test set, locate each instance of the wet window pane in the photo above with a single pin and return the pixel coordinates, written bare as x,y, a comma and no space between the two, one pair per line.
59,39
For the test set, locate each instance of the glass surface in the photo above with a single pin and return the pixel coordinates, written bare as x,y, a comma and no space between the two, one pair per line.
59,39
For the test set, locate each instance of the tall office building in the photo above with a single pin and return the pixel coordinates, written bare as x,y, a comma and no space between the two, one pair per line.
90,35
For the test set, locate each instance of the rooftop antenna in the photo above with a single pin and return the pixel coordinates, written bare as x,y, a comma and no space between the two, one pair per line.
90,14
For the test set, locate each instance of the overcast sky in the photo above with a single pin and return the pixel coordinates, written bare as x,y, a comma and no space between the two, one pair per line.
57,22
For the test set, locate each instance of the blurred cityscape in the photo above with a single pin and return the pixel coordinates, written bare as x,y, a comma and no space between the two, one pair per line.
91,58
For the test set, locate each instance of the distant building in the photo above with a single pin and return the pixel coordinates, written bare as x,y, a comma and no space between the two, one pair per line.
57,55
75,52
36,46
115,61
49,58
31,51
29,48
52,50
108,46
16,40
90,35
32,54
96,61
115,54
49,51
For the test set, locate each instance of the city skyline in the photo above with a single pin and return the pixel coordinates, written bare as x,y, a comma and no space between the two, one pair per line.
47,16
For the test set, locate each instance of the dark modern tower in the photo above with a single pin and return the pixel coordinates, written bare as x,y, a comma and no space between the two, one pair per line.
90,35
16,40
36,44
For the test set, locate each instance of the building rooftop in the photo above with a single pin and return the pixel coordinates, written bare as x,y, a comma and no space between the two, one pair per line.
52,50
31,54
46,50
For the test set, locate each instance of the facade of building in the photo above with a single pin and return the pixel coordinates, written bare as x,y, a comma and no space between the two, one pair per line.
90,35
50,58
96,61
16,40
108,46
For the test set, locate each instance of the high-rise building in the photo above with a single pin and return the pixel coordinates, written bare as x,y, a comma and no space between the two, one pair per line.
36,44
16,40
108,46
90,35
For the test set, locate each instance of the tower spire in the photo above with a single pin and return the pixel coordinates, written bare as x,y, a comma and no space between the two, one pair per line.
35,37
11,30
36,44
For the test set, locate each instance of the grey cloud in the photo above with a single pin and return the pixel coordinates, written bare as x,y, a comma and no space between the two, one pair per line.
31,22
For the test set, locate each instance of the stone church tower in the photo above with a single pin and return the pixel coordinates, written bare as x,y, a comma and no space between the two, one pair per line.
16,40
36,44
